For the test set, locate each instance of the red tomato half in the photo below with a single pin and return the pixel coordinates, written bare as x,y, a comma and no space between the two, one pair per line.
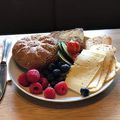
73,47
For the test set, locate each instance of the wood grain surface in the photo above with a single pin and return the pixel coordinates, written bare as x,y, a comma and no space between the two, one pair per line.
105,106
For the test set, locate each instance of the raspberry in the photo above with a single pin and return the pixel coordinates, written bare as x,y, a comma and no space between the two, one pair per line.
22,79
44,82
36,88
33,75
61,88
49,93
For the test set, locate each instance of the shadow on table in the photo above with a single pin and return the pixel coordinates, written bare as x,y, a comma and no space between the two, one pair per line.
68,105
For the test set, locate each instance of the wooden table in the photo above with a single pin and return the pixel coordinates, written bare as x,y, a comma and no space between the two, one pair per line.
105,106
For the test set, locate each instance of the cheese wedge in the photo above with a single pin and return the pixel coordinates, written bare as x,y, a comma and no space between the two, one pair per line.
84,70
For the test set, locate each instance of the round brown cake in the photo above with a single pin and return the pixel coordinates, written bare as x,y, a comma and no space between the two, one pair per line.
35,51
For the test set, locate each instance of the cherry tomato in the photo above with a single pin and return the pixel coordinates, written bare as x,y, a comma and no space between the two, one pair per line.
73,47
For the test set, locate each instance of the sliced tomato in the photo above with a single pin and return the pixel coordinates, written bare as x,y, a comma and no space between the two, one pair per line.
73,47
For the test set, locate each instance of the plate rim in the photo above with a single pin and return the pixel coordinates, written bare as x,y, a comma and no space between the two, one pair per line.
56,100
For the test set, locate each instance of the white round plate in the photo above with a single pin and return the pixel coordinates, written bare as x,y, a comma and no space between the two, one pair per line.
71,96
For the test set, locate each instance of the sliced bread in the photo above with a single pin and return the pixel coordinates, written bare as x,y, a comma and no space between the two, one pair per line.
67,35
98,40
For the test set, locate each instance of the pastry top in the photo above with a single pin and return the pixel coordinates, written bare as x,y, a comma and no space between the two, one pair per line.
35,51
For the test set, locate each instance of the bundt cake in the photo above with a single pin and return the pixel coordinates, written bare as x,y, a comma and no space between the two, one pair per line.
35,51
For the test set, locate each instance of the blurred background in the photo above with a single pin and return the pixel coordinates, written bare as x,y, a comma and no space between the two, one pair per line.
33,16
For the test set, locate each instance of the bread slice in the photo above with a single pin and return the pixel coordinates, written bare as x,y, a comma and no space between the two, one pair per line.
66,34
72,34
98,40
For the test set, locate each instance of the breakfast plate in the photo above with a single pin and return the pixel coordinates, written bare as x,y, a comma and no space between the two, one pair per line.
71,96
64,66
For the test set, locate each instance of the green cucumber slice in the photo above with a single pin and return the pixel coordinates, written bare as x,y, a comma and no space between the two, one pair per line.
63,58
65,52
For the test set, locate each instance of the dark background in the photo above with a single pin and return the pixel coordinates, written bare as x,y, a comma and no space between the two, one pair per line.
31,16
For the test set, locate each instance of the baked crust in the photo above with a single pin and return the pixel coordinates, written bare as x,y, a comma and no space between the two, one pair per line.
72,34
98,40
35,51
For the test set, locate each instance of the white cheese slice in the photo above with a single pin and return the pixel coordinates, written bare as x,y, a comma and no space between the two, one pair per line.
84,70
106,49
112,70
101,81
96,79
89,58
110,76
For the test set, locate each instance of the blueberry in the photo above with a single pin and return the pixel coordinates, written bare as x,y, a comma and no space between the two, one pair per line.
53,83
51,66
84,92
45,72
59,64
56,72
62,77
65,68
50,77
